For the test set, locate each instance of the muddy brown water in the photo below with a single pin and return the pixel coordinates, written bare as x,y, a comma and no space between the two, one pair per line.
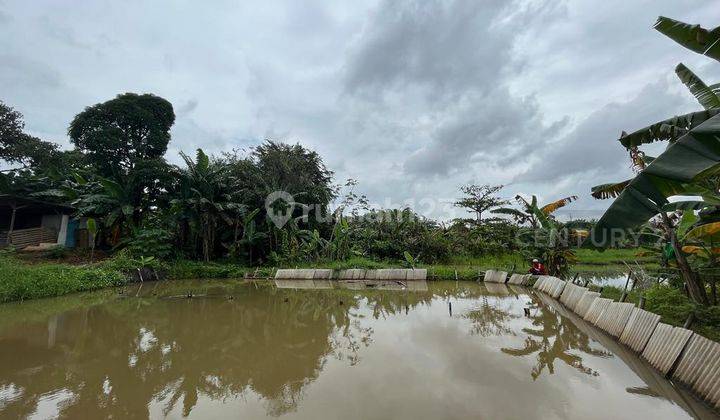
451,350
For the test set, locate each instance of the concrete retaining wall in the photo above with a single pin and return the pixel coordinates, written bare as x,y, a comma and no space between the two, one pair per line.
571,295
639,328
493,276
665,345
596,309
553,286
689,358
699,369
585,302
615,317
400,274
519,279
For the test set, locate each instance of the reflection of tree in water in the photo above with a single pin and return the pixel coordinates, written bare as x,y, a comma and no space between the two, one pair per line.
555,338
489,319
120,358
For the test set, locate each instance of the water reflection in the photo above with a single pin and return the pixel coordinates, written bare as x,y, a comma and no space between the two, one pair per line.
554,338
151,352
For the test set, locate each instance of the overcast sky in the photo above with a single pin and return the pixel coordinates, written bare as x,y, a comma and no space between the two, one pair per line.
411,98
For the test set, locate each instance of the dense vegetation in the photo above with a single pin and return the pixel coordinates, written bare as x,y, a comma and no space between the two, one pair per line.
220,208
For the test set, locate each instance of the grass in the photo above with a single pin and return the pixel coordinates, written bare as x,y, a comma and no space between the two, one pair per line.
610,261
21,281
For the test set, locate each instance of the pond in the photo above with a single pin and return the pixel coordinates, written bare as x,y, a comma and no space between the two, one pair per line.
316,350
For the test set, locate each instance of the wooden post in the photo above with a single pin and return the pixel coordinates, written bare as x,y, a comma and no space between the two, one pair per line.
689,321
641,304
12,225
625,291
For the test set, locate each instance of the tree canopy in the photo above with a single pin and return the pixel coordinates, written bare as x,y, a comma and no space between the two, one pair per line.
118,135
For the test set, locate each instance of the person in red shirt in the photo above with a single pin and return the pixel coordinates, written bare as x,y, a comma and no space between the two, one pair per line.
537,268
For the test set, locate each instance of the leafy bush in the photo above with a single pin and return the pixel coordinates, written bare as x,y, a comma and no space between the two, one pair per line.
670,303
185,269
151,242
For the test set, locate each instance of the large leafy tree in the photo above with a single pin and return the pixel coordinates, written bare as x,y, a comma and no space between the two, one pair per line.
125,139
18,147
117,135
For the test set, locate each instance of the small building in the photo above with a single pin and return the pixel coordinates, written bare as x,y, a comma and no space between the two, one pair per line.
26,222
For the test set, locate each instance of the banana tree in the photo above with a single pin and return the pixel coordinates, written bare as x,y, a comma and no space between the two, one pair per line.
251,237
206,197
532,213
544,236
687,162
689,166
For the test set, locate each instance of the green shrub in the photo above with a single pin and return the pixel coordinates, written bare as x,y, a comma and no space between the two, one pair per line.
670,303
21,281
150,242
185,269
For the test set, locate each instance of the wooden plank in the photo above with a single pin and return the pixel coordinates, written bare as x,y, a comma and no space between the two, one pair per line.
665,346
639,328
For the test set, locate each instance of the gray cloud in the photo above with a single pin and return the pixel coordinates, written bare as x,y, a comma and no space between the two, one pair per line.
445,46
592,145
412,98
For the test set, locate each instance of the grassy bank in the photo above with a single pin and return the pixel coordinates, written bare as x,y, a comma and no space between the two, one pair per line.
30,278
20,281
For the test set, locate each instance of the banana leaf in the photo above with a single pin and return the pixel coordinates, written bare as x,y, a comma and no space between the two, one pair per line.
670,129
705,95
687,205
612,190
703,231
549,208
692,37
695,156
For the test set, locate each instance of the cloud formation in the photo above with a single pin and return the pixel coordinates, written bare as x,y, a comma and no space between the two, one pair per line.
411,98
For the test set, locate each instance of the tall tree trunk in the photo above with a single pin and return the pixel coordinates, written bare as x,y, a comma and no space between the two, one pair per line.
691,278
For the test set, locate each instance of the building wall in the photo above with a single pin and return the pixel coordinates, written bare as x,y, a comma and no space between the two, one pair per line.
51,221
